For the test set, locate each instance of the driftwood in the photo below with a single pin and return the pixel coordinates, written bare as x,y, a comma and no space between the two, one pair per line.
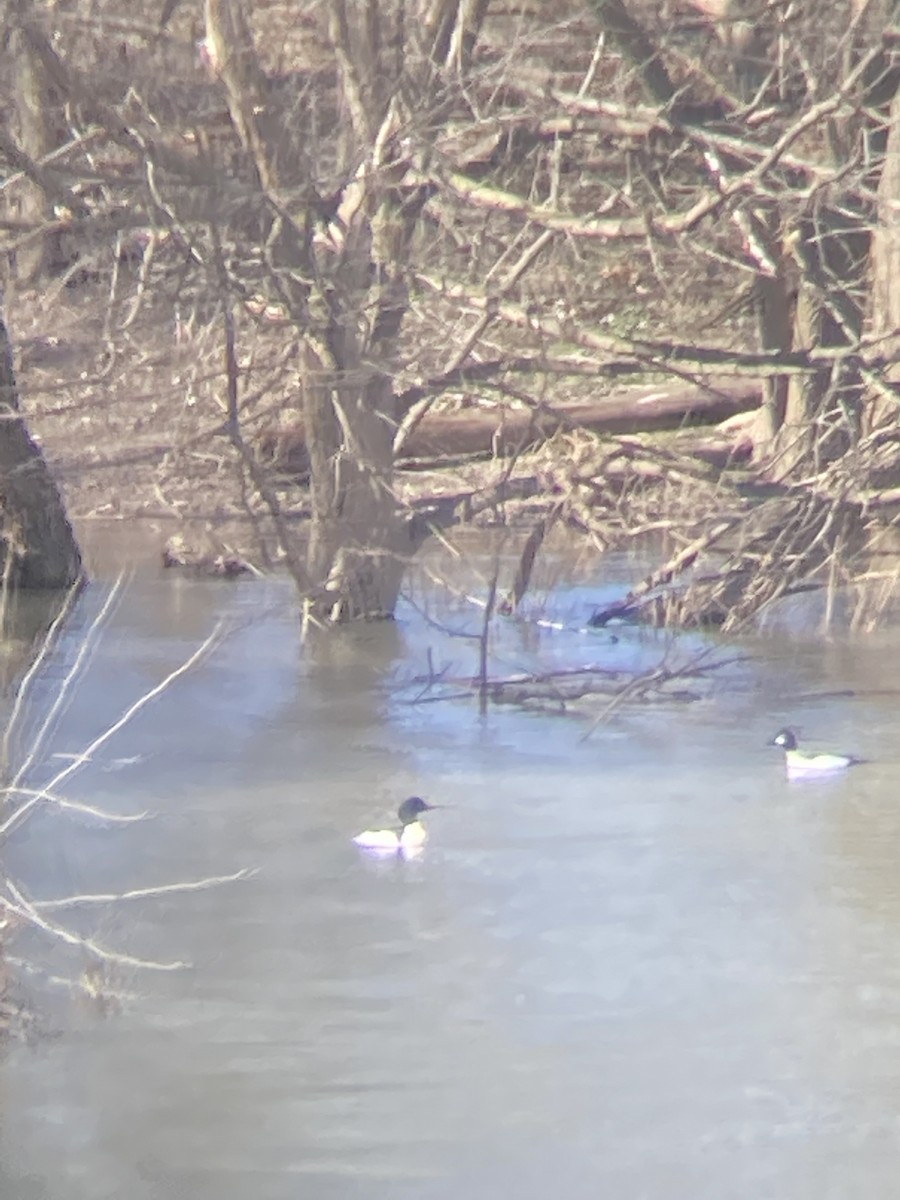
504,431
559,689
178,554
579,689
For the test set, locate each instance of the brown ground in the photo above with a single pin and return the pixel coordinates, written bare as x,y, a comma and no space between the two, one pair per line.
132,424
129,429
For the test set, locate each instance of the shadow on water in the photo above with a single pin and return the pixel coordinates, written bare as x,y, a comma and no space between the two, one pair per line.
639,965
25,623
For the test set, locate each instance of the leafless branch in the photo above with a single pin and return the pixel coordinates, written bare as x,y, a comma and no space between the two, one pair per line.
165,889
21,814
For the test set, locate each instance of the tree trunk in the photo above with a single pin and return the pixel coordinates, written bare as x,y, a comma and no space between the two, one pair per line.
823,412
773,320
796,438
356,550
886,275
347,296
40,547
362,539
32,107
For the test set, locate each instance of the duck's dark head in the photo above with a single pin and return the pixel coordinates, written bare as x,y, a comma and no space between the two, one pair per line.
411,809
784,738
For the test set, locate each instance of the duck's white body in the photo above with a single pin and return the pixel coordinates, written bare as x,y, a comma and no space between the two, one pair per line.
411,837
799,763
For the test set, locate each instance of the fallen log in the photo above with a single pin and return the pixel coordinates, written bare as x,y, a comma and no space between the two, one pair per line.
503,431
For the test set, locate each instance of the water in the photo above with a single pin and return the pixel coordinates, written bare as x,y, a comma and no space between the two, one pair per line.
641,965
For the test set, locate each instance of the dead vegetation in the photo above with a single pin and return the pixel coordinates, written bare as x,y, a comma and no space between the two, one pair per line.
342,250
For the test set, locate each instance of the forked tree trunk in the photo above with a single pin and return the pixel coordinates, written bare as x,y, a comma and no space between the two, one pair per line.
348,300
361,539
39,547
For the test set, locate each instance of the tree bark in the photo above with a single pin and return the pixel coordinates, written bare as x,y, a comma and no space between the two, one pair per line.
886,274
346,294
773,315
40,550
824,410
361,538
32,110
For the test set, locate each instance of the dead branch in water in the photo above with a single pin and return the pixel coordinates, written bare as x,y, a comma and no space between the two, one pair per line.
560,689
527,560
798,546
679,562
484,640
563,688
737,545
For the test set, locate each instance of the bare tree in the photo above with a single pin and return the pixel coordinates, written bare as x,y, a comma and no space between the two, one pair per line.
347,288
443,196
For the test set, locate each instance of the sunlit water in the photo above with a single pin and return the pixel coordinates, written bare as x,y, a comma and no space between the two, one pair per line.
641,965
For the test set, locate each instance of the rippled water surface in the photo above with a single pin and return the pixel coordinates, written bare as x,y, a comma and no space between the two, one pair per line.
640,965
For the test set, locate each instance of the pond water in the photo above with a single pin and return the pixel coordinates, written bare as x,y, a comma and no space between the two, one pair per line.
641,964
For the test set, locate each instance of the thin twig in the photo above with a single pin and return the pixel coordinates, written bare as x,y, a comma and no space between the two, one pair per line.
21,907
194,885
88,810
72,674
19,816
484,640
23,690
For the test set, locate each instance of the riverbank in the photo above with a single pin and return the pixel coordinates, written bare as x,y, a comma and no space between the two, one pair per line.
137,432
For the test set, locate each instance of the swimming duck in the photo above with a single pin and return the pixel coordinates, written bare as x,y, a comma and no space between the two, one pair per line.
411,835
799,763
